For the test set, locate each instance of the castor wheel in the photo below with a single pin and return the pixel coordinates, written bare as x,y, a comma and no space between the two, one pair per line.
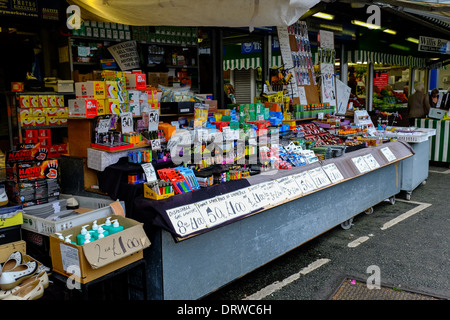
347,224
408,196
424,182
369,211
392,200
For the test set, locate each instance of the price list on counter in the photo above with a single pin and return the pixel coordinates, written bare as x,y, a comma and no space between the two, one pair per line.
186,219
333,172
289,187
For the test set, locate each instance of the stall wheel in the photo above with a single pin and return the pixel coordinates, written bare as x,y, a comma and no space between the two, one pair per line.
369,211
408,196
424,182
347,224
392,200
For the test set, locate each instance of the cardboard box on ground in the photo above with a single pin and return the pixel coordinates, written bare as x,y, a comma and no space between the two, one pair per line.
99,257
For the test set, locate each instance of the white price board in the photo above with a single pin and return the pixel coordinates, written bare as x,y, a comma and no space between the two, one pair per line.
319,177
213,210
149,171
333,172
289,187
186,219
126,119
236,203
371,161
153,120
273,192
103,125
305,182
388,154
256,198
360,164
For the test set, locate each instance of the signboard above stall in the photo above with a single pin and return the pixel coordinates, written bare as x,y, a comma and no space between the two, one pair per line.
33,9
435,45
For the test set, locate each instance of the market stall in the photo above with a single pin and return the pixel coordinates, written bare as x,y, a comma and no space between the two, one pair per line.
438,150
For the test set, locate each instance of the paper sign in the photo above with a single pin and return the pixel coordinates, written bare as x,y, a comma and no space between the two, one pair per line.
213,210
126,119
371,161
360,164
256,197
156,144
186,219
236,203
126,55
342,95
274,194
103,125
319,177
149,171
388,154
333,172
290,187
153,120
305,182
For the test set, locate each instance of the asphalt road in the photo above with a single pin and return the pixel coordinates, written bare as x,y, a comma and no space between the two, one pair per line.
411,254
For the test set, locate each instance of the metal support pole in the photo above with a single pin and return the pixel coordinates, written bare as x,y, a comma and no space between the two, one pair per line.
369,89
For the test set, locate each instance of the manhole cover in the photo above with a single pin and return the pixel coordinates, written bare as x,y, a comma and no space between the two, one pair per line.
351,289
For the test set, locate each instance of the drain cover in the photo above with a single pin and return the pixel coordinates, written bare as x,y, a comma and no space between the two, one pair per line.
351,289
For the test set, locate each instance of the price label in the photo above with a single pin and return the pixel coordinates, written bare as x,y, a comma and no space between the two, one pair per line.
273,192
360,164
153,120
305,182
186,219
290,187
103,125
213,210
127,122
333,172
371,161
149,171
156,144
237,204
319,177
256,197
388,154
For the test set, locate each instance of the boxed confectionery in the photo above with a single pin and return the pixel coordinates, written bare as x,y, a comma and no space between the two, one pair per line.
84,107
101,256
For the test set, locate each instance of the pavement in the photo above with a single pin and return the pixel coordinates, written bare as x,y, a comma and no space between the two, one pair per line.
400,250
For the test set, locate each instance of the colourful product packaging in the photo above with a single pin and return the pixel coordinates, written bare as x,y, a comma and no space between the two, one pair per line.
43,101
25,101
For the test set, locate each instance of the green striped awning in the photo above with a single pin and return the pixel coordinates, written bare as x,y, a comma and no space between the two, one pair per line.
249,63
439,143
387,58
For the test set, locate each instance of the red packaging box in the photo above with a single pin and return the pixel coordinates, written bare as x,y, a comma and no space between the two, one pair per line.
45,133
45,142
31,133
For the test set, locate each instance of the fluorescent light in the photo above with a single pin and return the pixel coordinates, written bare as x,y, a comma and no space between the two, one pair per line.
434,58
414,40
390,31
364,24
322,15
400,47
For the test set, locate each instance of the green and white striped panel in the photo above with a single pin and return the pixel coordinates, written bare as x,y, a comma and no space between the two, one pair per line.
439,144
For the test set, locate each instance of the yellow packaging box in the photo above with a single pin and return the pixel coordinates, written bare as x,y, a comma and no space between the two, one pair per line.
52,101
34,101
101,109
24,101
112,106
112,90
11,216
43,101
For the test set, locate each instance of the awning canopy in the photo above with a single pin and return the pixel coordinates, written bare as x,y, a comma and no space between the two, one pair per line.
219,13
250,63
386,58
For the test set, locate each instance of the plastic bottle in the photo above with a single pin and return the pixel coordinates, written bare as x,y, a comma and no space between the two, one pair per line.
94,231
60,236
107,224
115,227
68,240
101,232
87,238
81,236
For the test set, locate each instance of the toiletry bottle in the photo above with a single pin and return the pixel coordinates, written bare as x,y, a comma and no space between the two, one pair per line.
60,236
94,231
115,227
68,240
87,238
102,233
81,236
107,224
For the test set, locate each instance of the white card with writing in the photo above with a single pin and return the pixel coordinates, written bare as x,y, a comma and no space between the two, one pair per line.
305,182
388,154
186,219
333,172
319,177
289,187
360,164
371,161
213,210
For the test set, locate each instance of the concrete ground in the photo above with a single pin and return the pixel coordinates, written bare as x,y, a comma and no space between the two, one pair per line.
402,246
